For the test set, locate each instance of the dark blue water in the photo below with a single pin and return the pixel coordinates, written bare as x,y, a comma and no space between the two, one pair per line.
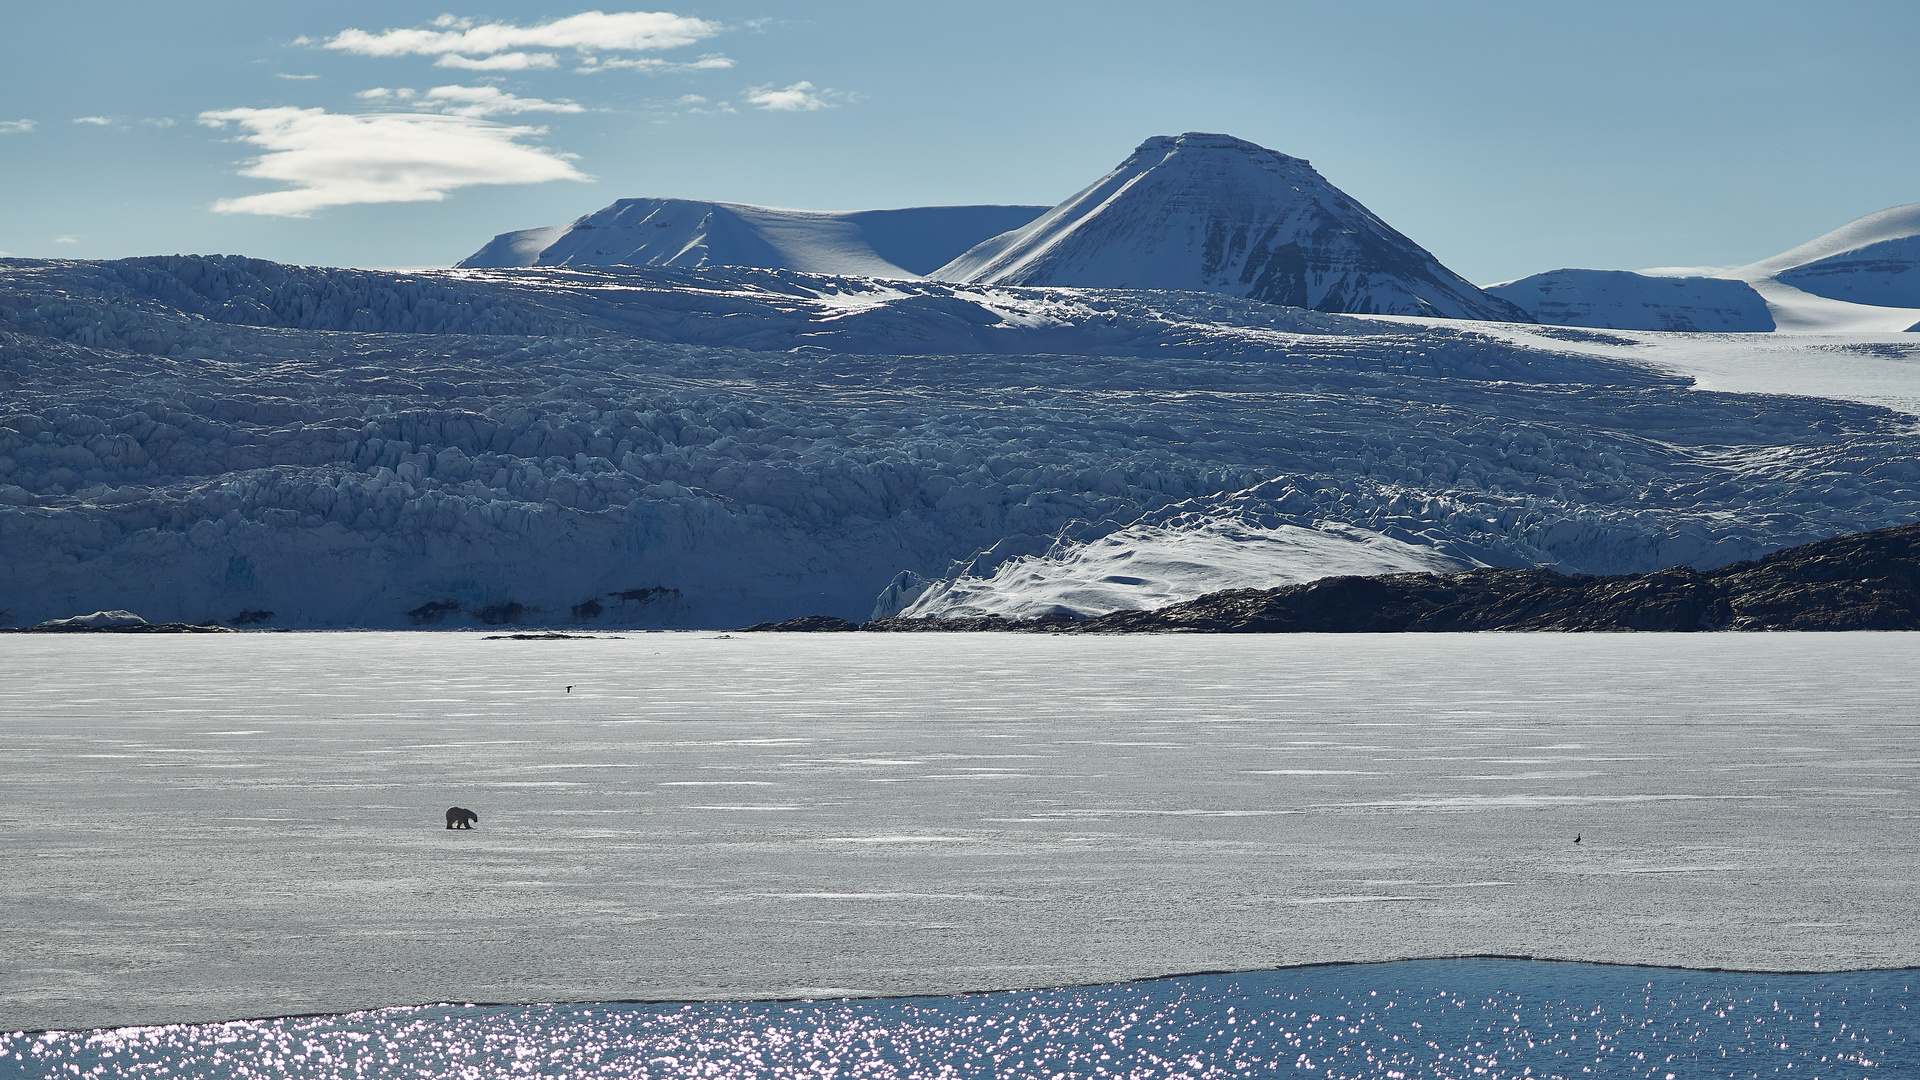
1471,1019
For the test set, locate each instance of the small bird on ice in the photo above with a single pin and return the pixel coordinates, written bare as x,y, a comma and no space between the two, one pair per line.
1576,838
569,689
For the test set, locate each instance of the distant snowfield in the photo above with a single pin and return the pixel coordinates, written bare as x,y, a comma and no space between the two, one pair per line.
1877,368
251,825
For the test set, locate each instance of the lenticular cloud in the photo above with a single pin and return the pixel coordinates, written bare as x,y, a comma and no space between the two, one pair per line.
333,159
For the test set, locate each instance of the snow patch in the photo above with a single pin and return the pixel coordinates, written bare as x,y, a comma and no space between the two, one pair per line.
1149,566
99,620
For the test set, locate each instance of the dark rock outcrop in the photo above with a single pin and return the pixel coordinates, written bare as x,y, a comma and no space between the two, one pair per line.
805,624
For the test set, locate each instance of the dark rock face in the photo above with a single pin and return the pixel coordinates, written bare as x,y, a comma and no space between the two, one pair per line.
1866,581
511,611
433,611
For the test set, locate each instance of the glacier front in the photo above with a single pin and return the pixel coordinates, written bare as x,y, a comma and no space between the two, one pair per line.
215,438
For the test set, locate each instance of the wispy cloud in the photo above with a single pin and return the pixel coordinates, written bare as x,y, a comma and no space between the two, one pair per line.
332,159
295,78
654,65
66,239
505,46
97,121
469,101
17,127
800,97
695,103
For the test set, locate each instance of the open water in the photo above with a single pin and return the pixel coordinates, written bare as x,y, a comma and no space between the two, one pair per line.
1476,1019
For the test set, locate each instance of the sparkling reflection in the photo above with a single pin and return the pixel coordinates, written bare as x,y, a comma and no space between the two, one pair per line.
1480,1019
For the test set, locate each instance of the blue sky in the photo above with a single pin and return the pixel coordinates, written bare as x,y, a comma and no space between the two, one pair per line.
1507,138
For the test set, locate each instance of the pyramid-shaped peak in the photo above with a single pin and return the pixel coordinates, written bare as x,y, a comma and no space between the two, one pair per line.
1195,143
1209,212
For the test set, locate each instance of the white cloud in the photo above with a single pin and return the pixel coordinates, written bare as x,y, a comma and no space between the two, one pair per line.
490,101
513,61
800,97
17,127
502,46
97,121
381,93
332,159
295,78
159,121
66,239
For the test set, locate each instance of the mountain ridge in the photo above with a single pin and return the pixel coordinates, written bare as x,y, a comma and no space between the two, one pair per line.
691,233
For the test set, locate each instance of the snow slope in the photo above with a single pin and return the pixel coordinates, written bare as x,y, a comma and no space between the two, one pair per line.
1862,277
190,438
682,232
1216,213
1872,260
1623,300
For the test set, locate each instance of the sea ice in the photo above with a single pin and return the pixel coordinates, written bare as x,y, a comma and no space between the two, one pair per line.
251,824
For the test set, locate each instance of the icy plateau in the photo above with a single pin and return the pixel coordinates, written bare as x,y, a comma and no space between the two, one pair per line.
198,438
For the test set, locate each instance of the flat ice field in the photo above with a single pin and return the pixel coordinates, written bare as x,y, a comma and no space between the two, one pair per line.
200,828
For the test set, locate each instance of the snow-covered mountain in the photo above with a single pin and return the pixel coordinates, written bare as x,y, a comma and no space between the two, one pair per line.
903,243
1873,260
1623,300
190,438
1863,277
1220,214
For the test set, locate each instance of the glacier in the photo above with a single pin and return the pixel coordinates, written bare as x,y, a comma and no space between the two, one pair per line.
195,438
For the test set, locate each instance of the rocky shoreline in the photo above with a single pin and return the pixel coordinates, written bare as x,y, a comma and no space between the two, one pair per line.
1862,581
